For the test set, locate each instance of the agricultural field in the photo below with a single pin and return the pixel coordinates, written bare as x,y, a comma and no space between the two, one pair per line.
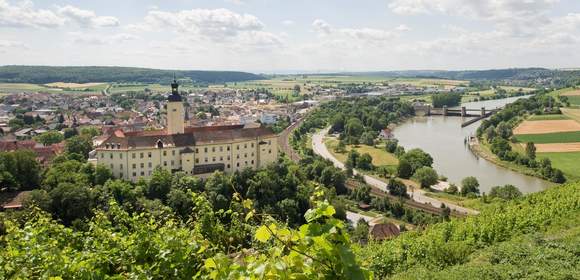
556,137
380,156
546,138
547,126
548,117
568,162
7,88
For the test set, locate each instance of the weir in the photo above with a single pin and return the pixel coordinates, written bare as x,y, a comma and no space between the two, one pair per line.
476,114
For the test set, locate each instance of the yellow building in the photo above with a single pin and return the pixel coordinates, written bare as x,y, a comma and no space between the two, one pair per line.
195,150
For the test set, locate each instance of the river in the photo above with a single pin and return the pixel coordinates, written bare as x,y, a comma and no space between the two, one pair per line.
443,138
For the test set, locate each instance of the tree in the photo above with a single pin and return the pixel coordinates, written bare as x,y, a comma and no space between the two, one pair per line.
39,198
90,132
354,128
452,189
159,184
397,188
503,130
469,185
50,137
531,150
507,192
404,169
19,169
365,162
360,233
391,145
362,194
367,138
337,123
426,176
417,158
71,202
180,202
102,174
78,145
70,132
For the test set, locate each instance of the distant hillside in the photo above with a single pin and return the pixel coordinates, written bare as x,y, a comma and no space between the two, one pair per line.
86,74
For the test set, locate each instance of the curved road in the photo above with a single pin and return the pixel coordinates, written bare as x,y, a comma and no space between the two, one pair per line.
415,194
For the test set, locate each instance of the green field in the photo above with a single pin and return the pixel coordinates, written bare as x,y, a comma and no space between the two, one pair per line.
574,99
548,117
558,137
7,88
568,162
380,156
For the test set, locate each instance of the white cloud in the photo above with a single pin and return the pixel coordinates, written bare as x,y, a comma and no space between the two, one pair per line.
86,18
321,26
288,22
24,14
403,27
98,39
216,24
12,44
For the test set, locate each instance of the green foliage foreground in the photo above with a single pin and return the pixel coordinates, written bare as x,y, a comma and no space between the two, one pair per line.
446,245
141,246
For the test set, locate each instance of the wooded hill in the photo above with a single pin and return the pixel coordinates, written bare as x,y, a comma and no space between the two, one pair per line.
86,74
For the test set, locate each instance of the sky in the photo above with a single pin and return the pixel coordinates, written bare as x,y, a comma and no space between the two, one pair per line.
265,36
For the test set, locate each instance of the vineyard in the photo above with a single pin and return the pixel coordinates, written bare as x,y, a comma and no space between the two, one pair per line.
450,244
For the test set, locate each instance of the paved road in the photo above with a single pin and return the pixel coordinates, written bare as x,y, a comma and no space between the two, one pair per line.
354,217
415,194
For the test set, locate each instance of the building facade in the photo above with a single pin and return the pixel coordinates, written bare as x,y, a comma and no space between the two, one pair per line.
198,151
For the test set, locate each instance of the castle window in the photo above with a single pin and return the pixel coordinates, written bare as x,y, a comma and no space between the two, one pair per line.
121,166
107,146
252,161
238,164
238,147
173,152
205,159
196,160
228,148
111,166
133,155
102,155
159,144
140,155
252,153
142,173
205,149
213,159
111,155
221,149
149,154
196,150
165,163
221,158
142,165
228,165
134,166
252,144
149,164
270,151
121,156
213,149
228,157
134,174
245,155
120,175
245,146
118,146
164,153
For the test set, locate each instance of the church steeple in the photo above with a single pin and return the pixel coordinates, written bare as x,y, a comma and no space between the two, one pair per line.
174,97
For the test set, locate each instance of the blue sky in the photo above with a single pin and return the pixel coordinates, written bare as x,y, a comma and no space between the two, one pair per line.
299,35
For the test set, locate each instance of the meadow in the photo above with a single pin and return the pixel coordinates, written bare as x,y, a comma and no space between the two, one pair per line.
568,162
380,156
558,137
548,117
8,88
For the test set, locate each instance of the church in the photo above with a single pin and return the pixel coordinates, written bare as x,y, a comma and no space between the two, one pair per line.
198,151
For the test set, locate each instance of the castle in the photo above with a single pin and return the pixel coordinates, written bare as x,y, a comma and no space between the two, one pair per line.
198,151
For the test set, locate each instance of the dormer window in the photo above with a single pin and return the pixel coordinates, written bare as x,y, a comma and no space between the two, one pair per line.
159,144
107,146
118,146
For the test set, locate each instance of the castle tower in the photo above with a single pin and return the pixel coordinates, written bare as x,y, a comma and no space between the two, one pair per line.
175,113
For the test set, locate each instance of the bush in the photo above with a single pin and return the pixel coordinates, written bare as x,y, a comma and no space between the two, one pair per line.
404,169
507,192
426,176
469,185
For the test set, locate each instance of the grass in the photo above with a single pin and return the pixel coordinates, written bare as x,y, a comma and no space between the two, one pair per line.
574,100
473,203
548,117
572,113
558,137
568,162
380,156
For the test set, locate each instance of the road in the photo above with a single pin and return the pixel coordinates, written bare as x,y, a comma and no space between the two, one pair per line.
417,195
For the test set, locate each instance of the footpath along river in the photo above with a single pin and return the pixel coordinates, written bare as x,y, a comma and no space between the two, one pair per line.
443,138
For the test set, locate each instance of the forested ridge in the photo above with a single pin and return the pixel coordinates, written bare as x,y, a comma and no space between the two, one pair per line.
86,74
